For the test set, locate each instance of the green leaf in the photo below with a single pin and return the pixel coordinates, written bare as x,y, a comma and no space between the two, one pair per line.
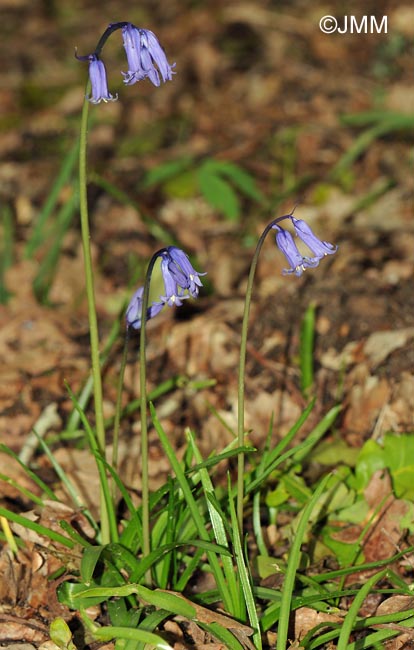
307,339
166,171
6,251
75,596
297,488
242,179
37,528
217,458
345,552
218,193
352,614
169,601
218,522
244,574
334,451
313,438
90,559
370,459
276,497
61,635
192,506
398,455
293,565
223,635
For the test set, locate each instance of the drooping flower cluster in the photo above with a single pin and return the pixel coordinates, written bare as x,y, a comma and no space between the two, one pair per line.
286,244
145,57
181,281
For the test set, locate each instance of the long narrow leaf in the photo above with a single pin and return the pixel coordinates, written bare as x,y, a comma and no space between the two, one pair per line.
103,478
244,575
219,532
45,488
192,505
307,339
134,634
67,483
273,454
352,613
217,458
242,179
6,251
293,565
47,269
317,433
37,236
37,528
27,493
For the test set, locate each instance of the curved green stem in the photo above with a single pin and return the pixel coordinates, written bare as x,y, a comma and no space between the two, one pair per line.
90,292
118,411
146,540
242,371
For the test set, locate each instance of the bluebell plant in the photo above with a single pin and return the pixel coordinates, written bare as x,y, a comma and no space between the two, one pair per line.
181,281
145,56
298,264
145,59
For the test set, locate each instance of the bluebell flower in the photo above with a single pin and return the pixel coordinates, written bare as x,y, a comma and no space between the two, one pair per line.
298,262
181,281
318,247
97,75
143,50
173,279
134,310
189,278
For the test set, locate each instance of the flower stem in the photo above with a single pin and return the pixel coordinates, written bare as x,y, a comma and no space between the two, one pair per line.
146,539
118,411
90,292
242,371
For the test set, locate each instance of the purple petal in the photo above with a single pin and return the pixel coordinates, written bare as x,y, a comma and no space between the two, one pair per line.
97,75
306,234
191,278
134,309
287,246
143,50
173,292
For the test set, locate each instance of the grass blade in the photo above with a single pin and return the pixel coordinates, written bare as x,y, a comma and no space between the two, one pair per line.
219,533
67,483
65,173
307,339
45,488
37,528
6,251
245,577
193,507
293,565
47,269
352,614
103,477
